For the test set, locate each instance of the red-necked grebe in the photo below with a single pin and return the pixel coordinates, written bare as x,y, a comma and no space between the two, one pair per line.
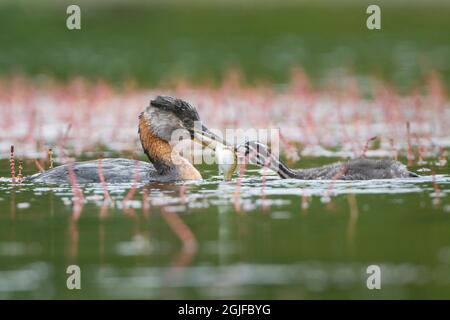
361,169
160,119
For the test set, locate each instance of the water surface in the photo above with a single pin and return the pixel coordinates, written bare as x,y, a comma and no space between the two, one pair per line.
248,238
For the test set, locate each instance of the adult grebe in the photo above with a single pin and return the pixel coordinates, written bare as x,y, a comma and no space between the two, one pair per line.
157,123
361,169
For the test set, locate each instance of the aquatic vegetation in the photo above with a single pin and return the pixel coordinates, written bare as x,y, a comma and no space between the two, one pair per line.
188,227
50,158
324,122
12,164
312,122
19,174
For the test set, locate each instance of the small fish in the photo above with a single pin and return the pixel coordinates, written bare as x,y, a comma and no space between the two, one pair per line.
226,158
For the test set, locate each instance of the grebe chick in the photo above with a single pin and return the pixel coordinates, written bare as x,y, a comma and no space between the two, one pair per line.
360,169
157,123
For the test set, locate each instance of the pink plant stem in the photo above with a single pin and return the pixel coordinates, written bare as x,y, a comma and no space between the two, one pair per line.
410,150
422,152
73,181
339,174
182,231
104,210
145,203
437,190
305,201
102,180
366,147
13,204
12,165
76,191
19,175
50,158
31,124
290,150
263,183
183,194
38,165
131,213
237,190
133,189
443,157
393,149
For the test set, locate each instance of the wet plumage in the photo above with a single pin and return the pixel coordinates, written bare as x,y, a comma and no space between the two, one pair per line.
360,169
157,124
114,171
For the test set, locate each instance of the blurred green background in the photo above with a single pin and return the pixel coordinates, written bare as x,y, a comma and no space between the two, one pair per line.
157,42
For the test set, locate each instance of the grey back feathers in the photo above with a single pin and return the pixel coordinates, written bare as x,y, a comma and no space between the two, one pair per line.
114,171
360,169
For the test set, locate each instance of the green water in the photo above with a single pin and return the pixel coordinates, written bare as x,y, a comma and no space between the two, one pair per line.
257,242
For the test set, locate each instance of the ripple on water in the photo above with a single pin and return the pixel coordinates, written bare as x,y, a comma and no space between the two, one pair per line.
252,191
315,276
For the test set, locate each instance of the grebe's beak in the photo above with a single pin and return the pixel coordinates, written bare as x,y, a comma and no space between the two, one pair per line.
208,139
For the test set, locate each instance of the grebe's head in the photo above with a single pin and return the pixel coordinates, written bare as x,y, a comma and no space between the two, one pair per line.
165,115
259,154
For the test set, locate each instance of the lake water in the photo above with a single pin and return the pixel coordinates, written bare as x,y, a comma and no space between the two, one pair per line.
248,238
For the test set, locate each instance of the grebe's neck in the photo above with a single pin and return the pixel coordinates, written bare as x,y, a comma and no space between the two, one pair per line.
160,154
282,169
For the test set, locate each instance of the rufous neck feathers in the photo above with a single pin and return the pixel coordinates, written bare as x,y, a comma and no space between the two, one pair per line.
161,156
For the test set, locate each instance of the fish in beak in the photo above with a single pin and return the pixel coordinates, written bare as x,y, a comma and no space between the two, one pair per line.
207,138
226,155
